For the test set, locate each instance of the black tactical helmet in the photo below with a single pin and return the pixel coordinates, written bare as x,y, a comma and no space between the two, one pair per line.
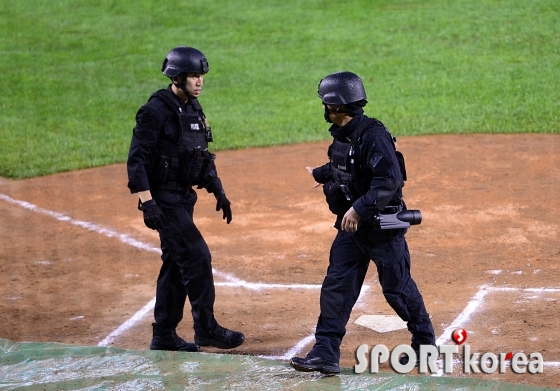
341,88
184,59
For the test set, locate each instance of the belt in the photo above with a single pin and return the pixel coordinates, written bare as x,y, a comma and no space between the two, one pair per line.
176,186
391,209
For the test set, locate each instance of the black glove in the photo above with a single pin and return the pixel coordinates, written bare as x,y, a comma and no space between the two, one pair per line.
223,203
153,216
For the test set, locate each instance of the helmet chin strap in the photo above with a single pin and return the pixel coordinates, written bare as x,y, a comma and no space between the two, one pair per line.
329,111
351,110
327,115
183,87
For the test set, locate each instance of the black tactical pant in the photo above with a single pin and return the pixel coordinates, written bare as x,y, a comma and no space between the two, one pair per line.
348,263
186,270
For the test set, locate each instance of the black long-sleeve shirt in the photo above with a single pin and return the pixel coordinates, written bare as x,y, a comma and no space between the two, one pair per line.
156,122
385,179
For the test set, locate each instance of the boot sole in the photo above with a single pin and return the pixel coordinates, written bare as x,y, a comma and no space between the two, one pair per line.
192,349
217,345
325,370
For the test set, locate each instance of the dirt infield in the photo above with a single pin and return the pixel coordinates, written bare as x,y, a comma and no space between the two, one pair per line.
77,261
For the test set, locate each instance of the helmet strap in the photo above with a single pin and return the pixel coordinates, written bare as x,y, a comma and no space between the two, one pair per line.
182,86
329,111
327,114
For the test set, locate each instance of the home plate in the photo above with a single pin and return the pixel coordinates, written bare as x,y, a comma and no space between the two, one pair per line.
381,323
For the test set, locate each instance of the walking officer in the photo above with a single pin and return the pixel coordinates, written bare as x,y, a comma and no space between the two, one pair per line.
169,156
363,179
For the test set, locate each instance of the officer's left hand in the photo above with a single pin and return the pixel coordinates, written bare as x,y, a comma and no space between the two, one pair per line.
153,216
350,220
224,204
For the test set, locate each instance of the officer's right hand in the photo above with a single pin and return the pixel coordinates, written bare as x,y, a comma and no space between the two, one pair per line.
153,216
310,170
350,220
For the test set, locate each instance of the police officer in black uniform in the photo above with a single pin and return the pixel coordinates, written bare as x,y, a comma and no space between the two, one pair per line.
168,156
363,179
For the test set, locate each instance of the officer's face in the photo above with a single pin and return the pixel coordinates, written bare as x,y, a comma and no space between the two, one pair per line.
194,84
335,115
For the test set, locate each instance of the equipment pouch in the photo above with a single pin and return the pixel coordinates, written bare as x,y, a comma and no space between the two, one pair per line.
196,165
338,153
189,166
338,204
209,157
342,161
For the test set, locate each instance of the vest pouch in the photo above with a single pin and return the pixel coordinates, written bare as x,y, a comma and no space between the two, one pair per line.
193,131
208,158
341,191
338,204
187,171
345,182
195,165
339,155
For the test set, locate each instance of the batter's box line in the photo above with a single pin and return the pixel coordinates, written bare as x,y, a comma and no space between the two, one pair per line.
308,339
473,306
476,302
463,318
124,238
138,316
231,281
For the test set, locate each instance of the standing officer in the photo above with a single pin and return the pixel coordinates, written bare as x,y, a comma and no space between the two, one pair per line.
364,178
168,156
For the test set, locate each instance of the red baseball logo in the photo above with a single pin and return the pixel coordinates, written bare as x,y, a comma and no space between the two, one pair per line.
459,336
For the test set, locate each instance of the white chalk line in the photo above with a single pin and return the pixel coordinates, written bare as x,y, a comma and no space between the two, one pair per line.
476,301
536,290
472,307
127,239
307,340
233,281
138,316
82,224
261,285
293,351
463,316
128,324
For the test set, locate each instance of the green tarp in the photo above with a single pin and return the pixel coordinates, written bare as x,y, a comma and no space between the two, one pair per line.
53,366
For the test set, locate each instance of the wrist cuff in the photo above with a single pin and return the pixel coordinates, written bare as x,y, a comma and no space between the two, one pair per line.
214,185
143,205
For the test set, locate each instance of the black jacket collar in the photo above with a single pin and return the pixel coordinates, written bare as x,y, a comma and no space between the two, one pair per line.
344,133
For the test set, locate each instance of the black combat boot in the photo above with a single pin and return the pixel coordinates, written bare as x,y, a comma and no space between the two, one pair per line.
315,364
404,359
220,338
167,339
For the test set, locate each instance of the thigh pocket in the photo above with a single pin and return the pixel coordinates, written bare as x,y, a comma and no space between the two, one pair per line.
332,297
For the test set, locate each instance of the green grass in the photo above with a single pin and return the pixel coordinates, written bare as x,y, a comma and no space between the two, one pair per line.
74,73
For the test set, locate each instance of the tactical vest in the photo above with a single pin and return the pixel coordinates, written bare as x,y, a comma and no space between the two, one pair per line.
344,169
348,181
187,161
